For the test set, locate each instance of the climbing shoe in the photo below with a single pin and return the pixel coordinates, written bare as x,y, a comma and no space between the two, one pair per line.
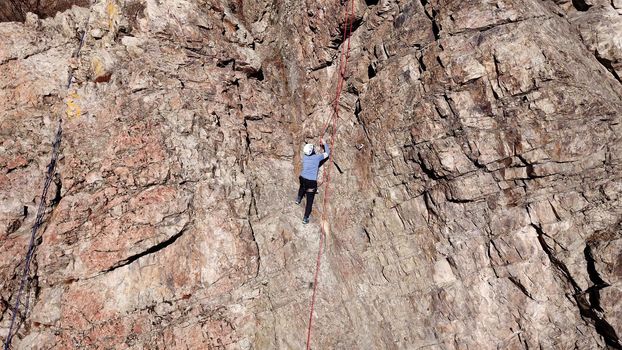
298,200
305,220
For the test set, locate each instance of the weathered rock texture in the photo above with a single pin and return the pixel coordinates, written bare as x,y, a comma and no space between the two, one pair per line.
16,10
477,200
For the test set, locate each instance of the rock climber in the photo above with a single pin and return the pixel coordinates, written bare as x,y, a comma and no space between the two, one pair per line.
311,163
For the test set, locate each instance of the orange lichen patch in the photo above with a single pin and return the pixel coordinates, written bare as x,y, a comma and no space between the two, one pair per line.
112,9
100,69
73,109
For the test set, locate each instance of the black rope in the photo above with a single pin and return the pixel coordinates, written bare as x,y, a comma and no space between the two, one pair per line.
33,234
41,210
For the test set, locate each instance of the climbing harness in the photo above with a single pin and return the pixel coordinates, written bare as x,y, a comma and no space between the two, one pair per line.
343,63
42,200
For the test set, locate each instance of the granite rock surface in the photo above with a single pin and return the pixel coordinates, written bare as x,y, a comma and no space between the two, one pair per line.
476,193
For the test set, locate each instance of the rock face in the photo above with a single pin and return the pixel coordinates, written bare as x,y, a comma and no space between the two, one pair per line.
16,10
477,177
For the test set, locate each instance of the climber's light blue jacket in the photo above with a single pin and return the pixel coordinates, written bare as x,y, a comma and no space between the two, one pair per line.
311,164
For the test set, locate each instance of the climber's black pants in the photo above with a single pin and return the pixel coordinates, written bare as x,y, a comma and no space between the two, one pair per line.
310,188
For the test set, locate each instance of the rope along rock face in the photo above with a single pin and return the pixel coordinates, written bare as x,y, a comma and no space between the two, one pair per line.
348,18
72,109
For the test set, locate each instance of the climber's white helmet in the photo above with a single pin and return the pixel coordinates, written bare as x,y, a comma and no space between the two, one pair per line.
308,149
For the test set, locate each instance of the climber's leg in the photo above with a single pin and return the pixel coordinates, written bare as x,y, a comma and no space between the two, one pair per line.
301,190
309,206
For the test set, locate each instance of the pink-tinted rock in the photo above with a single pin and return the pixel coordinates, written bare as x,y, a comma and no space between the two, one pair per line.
475,194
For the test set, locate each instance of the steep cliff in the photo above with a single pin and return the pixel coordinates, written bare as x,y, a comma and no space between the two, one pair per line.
477,178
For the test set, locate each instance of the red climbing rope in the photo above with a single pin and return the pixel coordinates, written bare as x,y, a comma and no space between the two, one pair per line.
343,63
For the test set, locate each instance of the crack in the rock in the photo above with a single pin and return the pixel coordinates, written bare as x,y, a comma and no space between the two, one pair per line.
357,114
250,225
320,66
371,70
559,265
339,36
430,206
427,170
252,207
399,216
4,306
151,250
520,286
33,289
436,29
608,65
498,24
30,54
498,76
422,66
383,274
366,235
594,291
603,327
58,194
256,74
451,199
581,5
587,310
247,136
